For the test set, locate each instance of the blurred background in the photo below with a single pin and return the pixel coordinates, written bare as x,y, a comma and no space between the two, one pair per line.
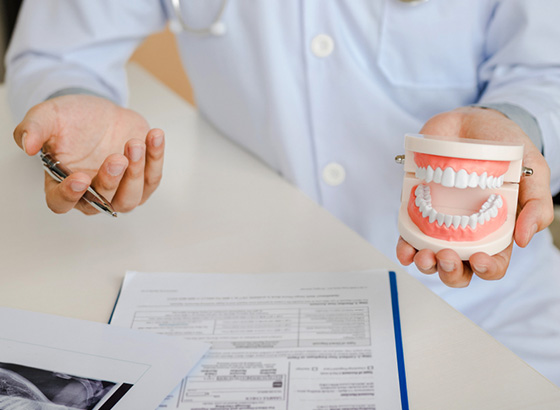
162,47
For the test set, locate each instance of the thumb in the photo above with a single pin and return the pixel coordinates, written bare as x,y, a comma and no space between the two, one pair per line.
535,198
35,129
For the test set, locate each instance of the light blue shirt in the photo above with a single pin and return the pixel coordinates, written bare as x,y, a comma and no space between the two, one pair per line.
323,91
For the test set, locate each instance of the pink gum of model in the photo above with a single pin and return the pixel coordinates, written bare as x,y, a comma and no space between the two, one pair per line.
459,194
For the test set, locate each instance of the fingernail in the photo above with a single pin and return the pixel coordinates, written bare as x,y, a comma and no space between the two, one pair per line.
24,135
480,268
78,186
446,266
427,268
135,152
157,140
115,169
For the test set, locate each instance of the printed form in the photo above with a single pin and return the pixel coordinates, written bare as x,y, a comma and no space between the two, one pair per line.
306,341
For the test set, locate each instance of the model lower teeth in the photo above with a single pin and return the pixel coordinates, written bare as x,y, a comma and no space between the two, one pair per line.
487,211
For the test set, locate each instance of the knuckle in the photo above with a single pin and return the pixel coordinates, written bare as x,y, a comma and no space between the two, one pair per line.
498,275
126,208
105,185
125,205
152,180
54,208
454,280
85,208
135,172
458,283
155,154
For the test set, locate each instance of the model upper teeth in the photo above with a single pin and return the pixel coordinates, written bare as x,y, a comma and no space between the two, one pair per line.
461,179
487,211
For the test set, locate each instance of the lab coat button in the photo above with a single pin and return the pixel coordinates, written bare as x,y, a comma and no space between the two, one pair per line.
334,174
322,45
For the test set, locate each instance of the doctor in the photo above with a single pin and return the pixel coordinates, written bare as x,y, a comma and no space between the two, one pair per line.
323,91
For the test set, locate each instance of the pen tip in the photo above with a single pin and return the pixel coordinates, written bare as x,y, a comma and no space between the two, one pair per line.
114,214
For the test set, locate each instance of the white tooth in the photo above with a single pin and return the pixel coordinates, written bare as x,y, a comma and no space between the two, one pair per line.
490,182
486,215
447,220
418,201
461,179
493,211
448,178
480,218
417,173
491,198
439,218
419,191
437,175
426,211
432,215
499,201
482,181
473,180
464,221
500,181
456,220
485,206
473,220
429,174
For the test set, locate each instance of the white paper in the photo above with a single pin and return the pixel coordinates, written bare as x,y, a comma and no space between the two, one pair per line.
321,341
54,363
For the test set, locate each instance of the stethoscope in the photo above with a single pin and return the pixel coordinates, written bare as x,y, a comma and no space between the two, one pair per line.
218,27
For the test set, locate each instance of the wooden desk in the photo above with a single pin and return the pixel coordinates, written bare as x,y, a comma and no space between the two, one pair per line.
221,210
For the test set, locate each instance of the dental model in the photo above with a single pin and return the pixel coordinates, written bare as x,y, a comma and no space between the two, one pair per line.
459,194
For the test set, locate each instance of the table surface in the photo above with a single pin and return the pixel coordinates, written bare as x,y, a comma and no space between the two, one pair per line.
219,209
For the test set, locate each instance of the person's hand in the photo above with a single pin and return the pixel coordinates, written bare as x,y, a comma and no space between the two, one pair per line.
106,146
535,208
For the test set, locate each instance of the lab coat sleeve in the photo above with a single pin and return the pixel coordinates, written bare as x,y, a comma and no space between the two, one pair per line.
522,67
82,44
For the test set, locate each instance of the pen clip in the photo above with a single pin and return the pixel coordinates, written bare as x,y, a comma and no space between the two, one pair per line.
53,167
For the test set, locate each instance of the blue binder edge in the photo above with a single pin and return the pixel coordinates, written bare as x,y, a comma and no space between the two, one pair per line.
398,339
115,305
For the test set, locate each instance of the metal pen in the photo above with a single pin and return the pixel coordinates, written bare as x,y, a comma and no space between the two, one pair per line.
59,172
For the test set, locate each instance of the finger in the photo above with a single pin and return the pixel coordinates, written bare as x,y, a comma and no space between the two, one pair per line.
62,197
535,200
491,267
129,192
109,175
537,209
155,146
451,269
405,252
35,129
426,262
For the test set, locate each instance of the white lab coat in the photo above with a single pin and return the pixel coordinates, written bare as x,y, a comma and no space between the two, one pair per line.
323,91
